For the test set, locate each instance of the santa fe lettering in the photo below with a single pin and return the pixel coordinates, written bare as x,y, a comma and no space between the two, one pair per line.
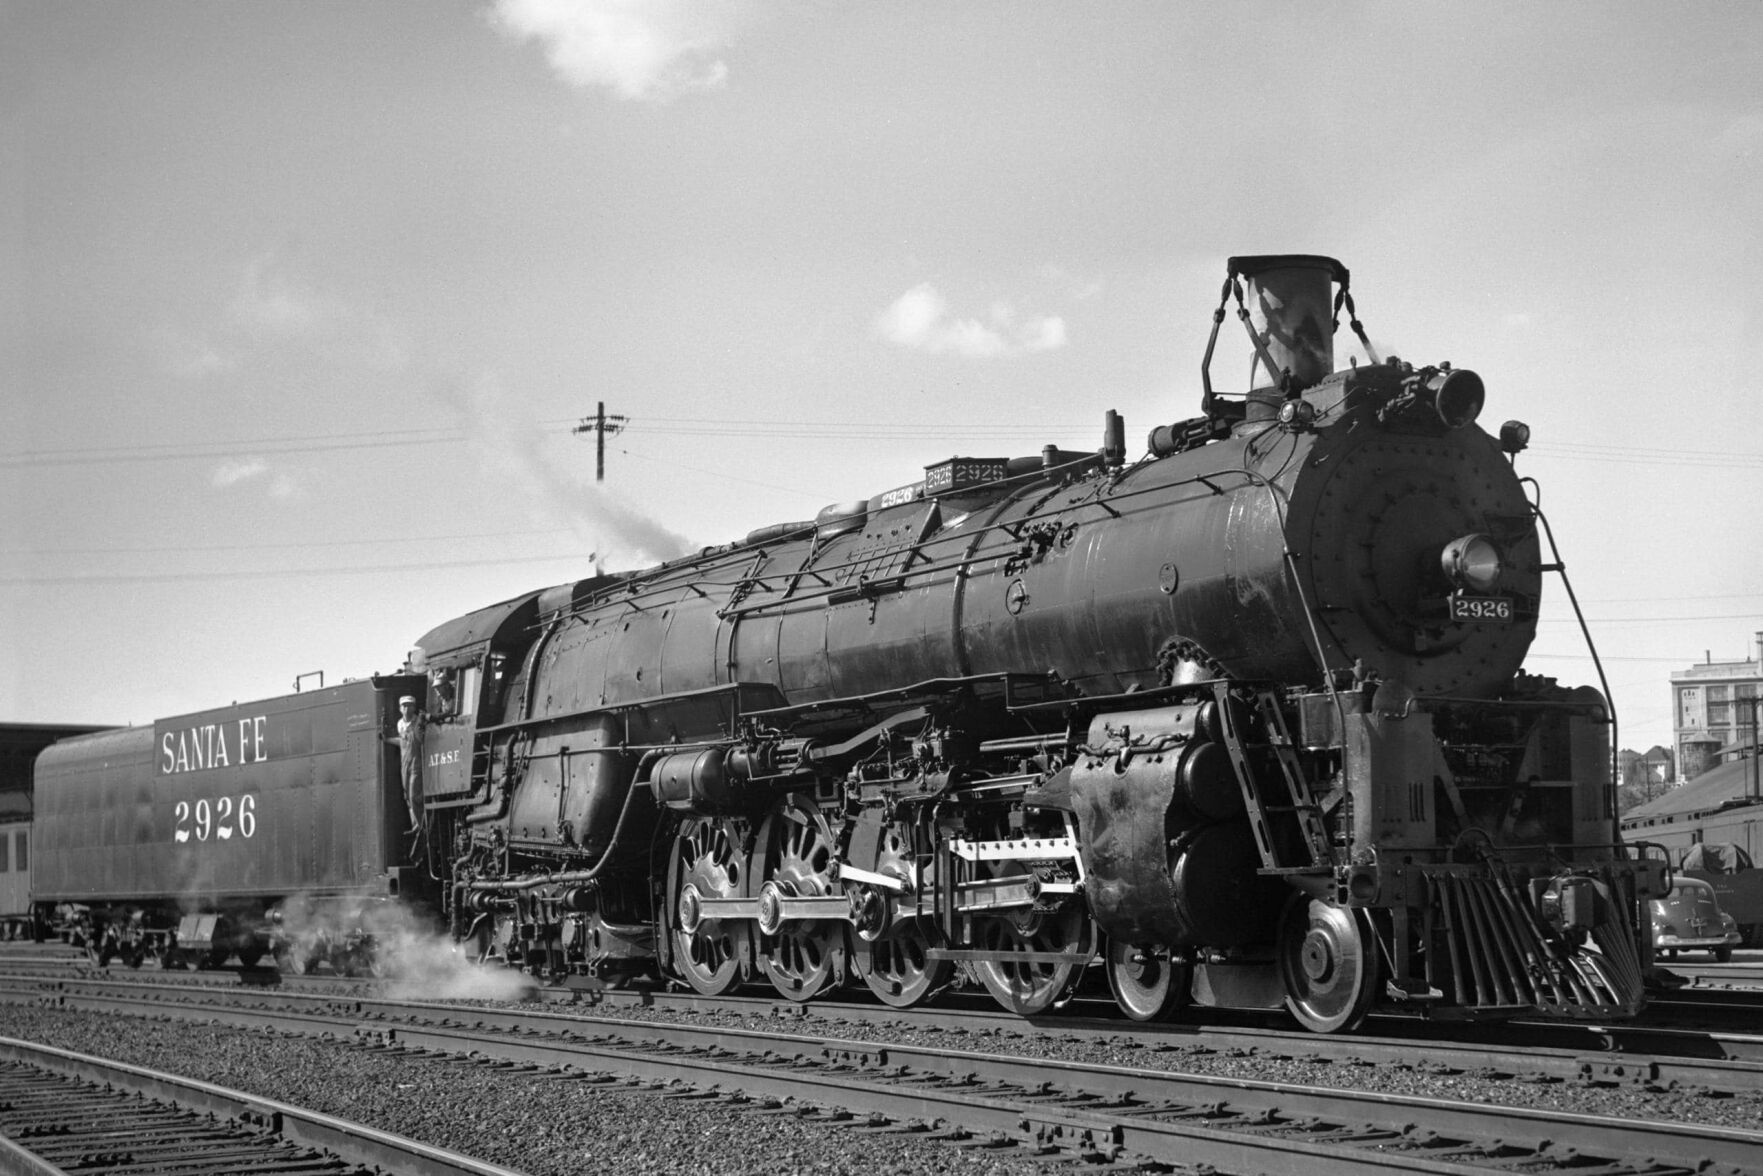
444,757
194,748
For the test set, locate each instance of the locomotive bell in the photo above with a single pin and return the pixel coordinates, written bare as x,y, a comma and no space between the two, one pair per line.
1288,297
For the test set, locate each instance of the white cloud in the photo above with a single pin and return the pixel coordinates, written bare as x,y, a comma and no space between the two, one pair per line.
269,301
243,470
920,319
638,49
1078,289
276,305
281,485
188,357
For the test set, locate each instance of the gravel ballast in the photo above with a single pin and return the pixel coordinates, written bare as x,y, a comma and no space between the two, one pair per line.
535,1124
543,1125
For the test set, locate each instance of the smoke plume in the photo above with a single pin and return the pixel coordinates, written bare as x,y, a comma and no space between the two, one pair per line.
510,446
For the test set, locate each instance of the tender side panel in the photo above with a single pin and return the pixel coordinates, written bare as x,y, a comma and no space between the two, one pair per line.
87,791
291,794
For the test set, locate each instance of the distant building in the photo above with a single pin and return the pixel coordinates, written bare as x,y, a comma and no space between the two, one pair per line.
1716,709
1650,772
1719,806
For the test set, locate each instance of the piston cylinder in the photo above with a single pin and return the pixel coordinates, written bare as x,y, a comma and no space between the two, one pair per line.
696,781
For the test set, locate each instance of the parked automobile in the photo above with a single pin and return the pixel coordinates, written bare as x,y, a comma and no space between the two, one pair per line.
1689,919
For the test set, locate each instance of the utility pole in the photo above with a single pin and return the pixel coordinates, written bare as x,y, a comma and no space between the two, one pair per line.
600,424
1755,705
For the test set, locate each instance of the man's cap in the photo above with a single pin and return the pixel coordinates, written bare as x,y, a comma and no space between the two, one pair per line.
410,698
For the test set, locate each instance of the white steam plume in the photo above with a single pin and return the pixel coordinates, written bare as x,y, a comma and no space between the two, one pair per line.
509,444
415,961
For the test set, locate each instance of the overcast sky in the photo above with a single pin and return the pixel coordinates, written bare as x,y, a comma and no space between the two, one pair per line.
299,301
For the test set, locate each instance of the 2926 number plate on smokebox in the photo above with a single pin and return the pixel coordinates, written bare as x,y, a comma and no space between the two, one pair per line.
1495,610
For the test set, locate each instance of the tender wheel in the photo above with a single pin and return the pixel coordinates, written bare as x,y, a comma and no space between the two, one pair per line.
1031,987
707,863
803,958
1328,960
896,963
1146,983
222,945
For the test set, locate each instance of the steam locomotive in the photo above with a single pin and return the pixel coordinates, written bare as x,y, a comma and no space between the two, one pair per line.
1239,723
1242,721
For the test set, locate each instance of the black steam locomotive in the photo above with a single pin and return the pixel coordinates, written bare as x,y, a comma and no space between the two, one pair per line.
1242,721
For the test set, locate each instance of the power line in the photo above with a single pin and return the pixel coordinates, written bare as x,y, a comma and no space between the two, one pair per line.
1655,620
671,464
287,573
994,432
288,546
31,459
391,439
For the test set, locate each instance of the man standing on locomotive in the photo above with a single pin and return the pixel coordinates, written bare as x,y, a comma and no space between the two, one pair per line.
411,724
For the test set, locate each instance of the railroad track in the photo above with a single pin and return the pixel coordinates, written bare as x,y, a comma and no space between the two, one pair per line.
1070,1111
66,1112
1728,1063
1717,999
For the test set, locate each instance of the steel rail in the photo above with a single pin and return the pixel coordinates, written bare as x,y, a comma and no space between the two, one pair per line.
1121,1111
1608,1055
365,1147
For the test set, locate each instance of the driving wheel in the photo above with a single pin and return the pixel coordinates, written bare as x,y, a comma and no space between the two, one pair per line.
1027,985
801,957
894,955
707,862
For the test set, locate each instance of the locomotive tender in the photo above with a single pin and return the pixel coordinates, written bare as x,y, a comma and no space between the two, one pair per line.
265,828
1242,722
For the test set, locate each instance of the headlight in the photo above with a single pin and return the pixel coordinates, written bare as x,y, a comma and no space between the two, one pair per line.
1514,437
1457,397
1472,562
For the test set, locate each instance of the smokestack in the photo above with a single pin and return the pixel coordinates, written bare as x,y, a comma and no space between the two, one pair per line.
1288,297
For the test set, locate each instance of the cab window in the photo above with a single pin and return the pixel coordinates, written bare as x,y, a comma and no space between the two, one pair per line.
453,691
468,689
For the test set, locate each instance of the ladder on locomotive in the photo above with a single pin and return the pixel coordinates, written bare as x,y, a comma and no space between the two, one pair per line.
1268,800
